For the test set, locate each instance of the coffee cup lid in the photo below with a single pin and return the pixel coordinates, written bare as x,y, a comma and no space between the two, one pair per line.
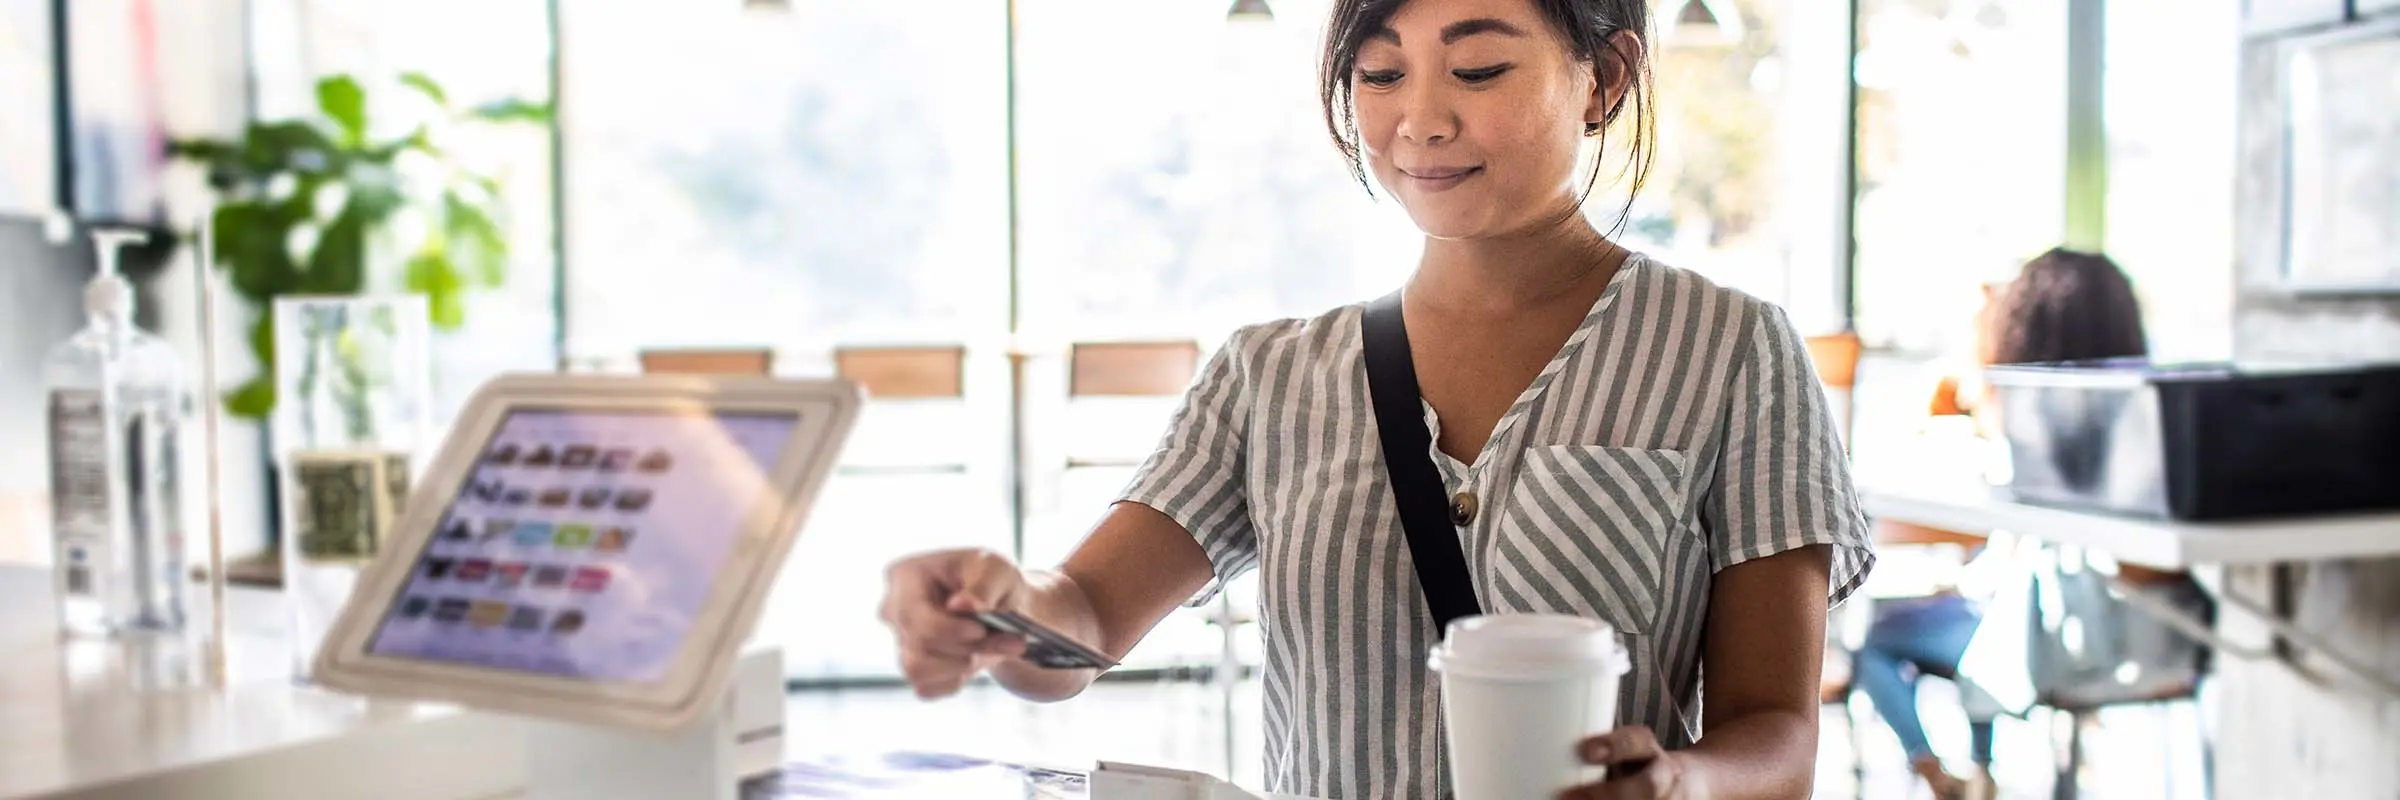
1529,647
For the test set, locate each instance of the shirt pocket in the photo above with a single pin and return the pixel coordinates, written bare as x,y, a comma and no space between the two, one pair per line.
1585,532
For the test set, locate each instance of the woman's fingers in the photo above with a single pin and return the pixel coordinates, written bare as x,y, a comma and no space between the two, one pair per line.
1627,745
1638,767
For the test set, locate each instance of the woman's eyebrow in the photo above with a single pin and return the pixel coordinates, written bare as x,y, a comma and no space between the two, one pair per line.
1455,31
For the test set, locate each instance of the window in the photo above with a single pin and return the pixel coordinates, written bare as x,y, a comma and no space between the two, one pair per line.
827,175
2171,124
1961,158
1749,132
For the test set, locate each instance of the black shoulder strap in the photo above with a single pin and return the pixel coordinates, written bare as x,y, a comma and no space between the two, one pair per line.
1407,456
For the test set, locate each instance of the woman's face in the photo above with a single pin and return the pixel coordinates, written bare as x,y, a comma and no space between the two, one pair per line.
1472,113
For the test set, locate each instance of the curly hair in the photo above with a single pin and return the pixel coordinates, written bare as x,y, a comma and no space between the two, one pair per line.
2067,306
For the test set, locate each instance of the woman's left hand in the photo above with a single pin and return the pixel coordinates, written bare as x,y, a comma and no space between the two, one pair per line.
1637,768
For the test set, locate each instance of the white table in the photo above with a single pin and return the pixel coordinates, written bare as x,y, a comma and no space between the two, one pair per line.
84,720
1969,506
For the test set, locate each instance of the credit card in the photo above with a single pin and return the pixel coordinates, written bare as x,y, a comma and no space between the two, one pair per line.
1045,647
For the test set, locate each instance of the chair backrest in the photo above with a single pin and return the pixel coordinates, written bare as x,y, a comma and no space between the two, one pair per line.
1131,369
1151,372
1836,357
905,372
726,361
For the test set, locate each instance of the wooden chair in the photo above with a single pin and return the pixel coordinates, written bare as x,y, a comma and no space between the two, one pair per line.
704,361
1156,369
904,374
908,372
1836,357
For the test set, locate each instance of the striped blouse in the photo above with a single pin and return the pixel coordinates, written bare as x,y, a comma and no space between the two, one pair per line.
1679,431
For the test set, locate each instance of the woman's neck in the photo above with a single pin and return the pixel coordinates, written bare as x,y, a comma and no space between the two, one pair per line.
1517,273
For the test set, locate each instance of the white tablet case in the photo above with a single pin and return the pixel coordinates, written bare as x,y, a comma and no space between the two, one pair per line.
828,408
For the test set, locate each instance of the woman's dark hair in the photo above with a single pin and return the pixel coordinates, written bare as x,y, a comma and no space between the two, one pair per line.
2067,306
1587,26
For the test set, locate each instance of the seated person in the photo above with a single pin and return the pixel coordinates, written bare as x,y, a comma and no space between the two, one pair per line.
2063,306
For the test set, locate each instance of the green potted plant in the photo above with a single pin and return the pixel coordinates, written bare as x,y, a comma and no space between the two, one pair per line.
330,205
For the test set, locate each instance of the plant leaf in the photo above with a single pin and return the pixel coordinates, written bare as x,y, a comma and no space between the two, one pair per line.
345,103
445,290
511,110
339,265
423,83
476,244
249,247
253,400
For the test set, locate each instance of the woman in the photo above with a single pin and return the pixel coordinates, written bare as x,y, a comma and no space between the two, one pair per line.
1632,443
2063,306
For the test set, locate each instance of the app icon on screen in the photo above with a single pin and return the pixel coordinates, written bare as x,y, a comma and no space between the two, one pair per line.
525,618
450,609
498,528
438,568
574,536
633,499
532,534
556,497
474,569
458,531
511,574
656,462
581,456
592,498
487,491
517,496
590,579
488,614
415,607
549,576
567,622
614,540
506,454
617,459
542,456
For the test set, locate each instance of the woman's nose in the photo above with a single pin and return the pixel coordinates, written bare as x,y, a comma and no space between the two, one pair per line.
1426,116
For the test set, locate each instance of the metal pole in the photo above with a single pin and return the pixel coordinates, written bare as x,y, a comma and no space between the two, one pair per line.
1019,490
558,189
2087,125
62,107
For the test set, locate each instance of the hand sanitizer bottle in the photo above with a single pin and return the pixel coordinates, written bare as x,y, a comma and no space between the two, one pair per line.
117,404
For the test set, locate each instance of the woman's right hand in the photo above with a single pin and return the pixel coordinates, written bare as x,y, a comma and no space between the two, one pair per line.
925,603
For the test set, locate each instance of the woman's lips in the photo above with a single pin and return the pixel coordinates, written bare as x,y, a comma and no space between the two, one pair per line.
1435,179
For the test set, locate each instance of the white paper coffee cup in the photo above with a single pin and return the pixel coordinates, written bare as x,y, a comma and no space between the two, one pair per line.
1519,692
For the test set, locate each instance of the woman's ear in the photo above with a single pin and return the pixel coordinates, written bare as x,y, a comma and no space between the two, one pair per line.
1616,67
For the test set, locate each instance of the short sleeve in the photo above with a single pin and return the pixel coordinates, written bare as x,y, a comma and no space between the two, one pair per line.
1197,476
1783,478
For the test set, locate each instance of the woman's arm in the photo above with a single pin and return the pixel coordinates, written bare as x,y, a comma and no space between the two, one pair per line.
1134,569
1760,658
1761,655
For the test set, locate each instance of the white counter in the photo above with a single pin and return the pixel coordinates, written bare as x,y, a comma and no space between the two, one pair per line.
1962,503
80,719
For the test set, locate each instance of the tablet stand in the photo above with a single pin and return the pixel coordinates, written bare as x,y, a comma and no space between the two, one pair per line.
742,737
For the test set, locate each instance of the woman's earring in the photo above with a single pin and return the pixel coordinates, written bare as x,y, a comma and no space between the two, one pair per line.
1591,129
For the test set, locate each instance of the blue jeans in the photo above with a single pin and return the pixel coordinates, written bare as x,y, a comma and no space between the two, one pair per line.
1923,636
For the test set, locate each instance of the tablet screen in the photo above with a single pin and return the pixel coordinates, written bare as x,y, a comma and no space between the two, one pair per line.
586,542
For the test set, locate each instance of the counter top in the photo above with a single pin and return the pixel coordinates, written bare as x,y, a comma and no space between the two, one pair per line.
1965,504
94,719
